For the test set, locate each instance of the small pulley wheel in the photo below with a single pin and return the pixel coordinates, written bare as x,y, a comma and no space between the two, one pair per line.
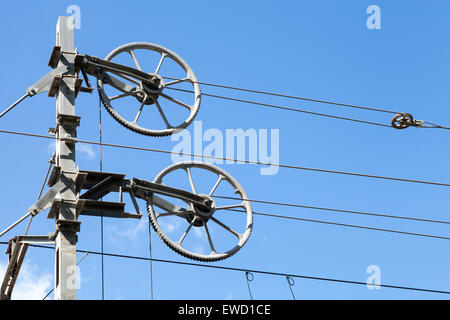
402,121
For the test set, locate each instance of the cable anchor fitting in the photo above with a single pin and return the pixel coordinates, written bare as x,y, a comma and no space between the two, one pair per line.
405,120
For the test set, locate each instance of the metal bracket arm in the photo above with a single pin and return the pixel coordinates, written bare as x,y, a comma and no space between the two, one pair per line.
44,202
16,251
45,83
47,199
142,187
91,65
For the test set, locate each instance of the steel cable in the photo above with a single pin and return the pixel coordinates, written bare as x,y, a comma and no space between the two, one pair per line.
285,108
336,210
248,270
288,96
235,160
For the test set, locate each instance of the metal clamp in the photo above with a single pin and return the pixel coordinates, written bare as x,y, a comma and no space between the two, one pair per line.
68,225
405,120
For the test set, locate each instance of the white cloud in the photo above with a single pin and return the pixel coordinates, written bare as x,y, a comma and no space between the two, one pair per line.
170,224
199,233
199,250
32,284
134,232
87,150
51,147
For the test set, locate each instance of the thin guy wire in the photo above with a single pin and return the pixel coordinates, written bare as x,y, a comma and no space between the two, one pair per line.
101,215
284,108
42,189
336,210
434,126
288,96
233,160
291,283
244,270
345,225
14,104
79,261
150,255
247,277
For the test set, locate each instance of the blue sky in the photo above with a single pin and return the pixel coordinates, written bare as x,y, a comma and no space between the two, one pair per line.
318,49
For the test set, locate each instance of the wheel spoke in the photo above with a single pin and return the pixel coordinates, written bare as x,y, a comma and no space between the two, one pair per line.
163,115
163,55
176,101
226,227
187,231
135,60
209,238
191,181
123,95
176,81
216,185
140,110
241,205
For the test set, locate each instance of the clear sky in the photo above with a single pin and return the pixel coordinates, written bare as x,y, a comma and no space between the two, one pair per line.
318,49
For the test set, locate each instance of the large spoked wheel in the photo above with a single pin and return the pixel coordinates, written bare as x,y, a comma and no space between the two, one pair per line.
194,222
141,95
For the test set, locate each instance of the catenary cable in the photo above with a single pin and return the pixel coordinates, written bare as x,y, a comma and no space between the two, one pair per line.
249,270
345,225
284,108
336,210
288,96
235,160
427,124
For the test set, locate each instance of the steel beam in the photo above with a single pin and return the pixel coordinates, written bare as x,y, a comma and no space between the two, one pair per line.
66,220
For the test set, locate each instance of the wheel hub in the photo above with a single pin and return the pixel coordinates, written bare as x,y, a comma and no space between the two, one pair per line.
149,91
201,213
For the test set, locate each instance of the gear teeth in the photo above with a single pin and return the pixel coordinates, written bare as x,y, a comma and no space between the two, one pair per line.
119,119
128,124
170,243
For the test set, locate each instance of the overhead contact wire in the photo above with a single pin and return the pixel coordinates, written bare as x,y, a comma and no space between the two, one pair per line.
289,96
248,270
237,160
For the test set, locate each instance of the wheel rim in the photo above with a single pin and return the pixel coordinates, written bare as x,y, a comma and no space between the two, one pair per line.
144,96
211,219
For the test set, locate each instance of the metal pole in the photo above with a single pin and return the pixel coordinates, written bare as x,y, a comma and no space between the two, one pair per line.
66,220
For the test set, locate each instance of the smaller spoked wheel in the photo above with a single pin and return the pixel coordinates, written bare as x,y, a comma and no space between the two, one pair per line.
197,233
149,107
402,120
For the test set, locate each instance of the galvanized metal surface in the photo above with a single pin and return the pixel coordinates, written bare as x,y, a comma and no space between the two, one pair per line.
65,198
65,252
149,87
199,217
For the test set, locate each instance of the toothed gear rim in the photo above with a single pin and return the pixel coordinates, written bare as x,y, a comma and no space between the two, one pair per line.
177,247
133,126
